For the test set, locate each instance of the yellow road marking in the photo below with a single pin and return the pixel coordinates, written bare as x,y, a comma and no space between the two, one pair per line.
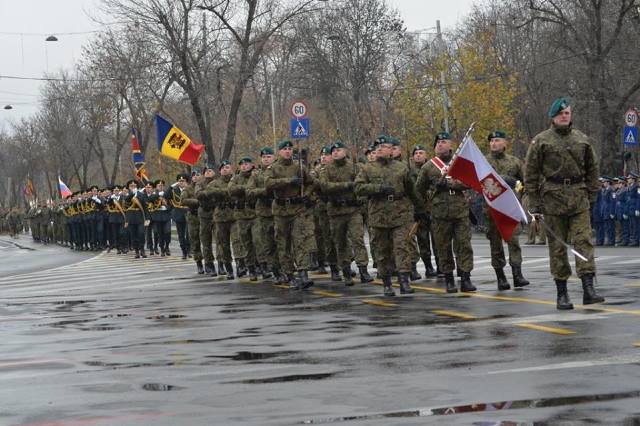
379,303
553,330
454,314
326,293
281,286
637,344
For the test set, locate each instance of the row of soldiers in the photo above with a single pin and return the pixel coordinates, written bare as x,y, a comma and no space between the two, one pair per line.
11,221
616,212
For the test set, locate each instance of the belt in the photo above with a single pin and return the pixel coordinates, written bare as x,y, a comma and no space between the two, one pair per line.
384,197
266,201
241,205
345,203
290,201
565,181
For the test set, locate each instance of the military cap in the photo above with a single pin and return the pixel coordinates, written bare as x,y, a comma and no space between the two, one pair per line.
338,144
621,178
557,106
223,163
92,187
381,139
501,134
386,139
441,137
195,171
245,160
369,149
632,175
267,150
326,149
116,186
184,176
130,181
285,143
149,183
208,166
418,148
158,182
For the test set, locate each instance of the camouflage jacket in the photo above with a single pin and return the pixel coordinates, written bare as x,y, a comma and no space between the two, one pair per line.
244,206
258,193
218,191
278,178
188,198
337,182
207,205
444,195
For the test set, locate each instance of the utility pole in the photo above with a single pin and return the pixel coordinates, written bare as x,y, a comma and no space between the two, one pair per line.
443,87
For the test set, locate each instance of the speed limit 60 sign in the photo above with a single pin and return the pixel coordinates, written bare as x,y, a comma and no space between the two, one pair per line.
299,109
630,118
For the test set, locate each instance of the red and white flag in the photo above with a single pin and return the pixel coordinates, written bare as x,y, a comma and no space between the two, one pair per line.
472,168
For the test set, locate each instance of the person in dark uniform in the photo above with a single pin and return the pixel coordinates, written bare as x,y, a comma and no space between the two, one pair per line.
151,236
179,211
116,221
135,209
159,210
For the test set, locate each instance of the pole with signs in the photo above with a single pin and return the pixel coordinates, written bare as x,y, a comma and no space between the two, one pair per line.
299,130
630,135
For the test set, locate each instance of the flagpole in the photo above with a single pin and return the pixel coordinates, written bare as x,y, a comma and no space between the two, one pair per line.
455,154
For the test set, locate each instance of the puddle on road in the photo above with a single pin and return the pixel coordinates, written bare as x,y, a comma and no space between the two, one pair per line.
169,316
160,387
482,407
253,356
282,379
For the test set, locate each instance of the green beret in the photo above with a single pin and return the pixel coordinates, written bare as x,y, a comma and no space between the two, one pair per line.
497,134
195,171
393,141
338,144
441,137
223,163
418,148
284,144
370,149
245,160
326,149
267,150
381,139
557,106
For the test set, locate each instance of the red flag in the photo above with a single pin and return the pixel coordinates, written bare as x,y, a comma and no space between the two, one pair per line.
471,168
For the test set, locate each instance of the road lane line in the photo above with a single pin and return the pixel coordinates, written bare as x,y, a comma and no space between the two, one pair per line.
454,314
554,330
326,293
379,303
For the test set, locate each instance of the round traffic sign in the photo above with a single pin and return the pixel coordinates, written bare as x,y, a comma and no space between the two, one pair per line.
630,118
299,109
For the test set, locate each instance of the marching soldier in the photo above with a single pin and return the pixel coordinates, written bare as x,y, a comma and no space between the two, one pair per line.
189,199
245,214
205,216
510,169
561,177
450,215
159,210
134,206
117,221
179,211
326,246
423,233
391,192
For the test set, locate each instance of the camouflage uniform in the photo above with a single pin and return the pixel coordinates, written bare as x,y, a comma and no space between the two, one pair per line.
245,215
264,241
188,198
423,233
205,217
326,248
217,191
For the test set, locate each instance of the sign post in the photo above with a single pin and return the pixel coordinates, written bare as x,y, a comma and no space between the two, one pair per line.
300,129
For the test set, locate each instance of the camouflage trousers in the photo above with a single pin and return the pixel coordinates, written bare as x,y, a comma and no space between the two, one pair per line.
348,237
206,237
293,242
224,232
535,231
193,223
394,248
497,250
456,231
424,240
577,229
264,242
246,230
326,247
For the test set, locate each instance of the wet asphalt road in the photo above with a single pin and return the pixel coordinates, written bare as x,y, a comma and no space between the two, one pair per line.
110,340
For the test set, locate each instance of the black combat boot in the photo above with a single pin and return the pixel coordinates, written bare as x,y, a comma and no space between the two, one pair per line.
207,268
364,275
563,303
305,281
322,269
221,270
162,253
241,268
405,287
212,271
346,274
386,282
229,268
465,282
335,273
137,256
503,284
167,251
589,295
266,274
282,277
518,279
253,275
450,282
429,271
415,276
184,254
143,254
200,267
294,283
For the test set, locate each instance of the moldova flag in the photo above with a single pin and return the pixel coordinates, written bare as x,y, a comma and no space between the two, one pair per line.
173,143
64,189
138,158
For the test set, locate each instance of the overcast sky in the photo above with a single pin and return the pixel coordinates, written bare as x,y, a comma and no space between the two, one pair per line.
27,23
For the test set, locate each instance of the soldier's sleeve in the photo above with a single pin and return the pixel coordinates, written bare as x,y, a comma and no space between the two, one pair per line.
532,175
592,171
235,188
363,188
423,182
272,182
410,190
187,198
330,187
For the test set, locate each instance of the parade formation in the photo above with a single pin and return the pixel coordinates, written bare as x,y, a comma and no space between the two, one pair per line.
279,216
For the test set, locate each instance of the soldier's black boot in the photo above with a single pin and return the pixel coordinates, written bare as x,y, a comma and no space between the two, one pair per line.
503,284
137,256
229,268
305,281
322,269
294,283
253,275
518,279
184,254
386,282
450,282
207,268
241,268
167,251
346,274
200,267
335,273
415,276
143,254
405,287
563,303
213,272
221,270
465,282
429,271
364,275
265,271
589,295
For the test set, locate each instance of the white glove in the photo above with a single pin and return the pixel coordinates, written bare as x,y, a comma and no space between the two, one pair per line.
637,213
612,216
624,216
161,193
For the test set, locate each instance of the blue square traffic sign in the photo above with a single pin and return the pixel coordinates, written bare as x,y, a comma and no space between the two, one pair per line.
300,128
630,135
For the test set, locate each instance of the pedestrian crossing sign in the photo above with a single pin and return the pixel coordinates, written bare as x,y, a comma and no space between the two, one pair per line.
630,135
299,128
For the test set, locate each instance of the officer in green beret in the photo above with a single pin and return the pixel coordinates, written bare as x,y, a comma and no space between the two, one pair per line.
510,169
245,214
561,177
337,182
188,198
419,159
449,215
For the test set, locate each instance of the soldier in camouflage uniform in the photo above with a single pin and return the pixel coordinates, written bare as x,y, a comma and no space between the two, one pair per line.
449,214
392,198
561,177
423,233
189,199
245,216
326,246
285,178
510,169
205,216
337,181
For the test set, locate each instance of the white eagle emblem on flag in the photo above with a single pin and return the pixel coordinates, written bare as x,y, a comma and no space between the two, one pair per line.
491,187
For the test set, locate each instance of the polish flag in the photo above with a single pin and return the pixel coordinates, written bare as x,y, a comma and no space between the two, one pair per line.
64,189
472,168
